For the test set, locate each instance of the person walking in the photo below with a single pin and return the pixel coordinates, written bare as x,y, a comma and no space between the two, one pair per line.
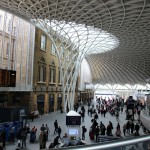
59,131
55,126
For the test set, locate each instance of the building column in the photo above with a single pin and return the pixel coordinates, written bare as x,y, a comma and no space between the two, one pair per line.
46,104
35,101
55,101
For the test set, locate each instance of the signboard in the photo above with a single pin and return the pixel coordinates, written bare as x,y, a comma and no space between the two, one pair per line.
7,78
73,120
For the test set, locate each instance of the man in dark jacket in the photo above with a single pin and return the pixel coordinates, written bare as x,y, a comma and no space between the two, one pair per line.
3,137
23,138
83,132
59,131
96,132
132,127
55,126
137,127
44,138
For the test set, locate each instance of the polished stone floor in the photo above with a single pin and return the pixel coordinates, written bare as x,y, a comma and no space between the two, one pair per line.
61,118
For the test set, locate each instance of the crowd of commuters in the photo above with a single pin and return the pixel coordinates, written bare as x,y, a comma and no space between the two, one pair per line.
97,128
114,107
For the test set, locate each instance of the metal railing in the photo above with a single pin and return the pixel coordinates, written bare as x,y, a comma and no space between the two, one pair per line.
116,145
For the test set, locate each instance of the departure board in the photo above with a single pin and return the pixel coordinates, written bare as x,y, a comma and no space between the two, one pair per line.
7,78
73,120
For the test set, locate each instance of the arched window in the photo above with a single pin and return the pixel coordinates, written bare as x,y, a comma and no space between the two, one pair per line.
51,102
40,103
52,73
42,70
59,102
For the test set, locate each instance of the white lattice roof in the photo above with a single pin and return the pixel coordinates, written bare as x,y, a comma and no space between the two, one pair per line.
125,22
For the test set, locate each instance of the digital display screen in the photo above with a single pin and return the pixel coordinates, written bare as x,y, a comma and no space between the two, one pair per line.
73,120
7,78
73,131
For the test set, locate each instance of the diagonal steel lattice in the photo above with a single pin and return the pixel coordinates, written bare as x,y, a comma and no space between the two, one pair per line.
113,35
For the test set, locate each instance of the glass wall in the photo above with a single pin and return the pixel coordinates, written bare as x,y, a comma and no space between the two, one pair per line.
17,49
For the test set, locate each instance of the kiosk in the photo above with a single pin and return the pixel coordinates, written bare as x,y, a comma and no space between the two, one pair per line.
73,122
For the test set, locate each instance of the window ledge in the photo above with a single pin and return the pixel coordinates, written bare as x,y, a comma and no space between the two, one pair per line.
52,83
53,54
41,82
43,50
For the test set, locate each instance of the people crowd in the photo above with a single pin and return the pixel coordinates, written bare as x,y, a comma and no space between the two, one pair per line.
97,128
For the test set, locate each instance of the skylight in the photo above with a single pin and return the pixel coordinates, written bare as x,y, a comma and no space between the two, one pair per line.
85,38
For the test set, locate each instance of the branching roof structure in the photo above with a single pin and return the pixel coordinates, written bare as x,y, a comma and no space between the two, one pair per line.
114,35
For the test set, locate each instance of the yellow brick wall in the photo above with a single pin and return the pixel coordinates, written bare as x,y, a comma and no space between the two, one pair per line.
46,87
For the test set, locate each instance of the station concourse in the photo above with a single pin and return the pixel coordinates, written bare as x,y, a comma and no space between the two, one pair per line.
54,54
61,119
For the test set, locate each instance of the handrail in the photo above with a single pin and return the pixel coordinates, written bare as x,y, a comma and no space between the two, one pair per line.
110,145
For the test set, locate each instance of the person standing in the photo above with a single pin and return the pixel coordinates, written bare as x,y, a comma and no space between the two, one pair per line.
128,127
96,132
19,131
118,132
41,140
132,127
32,116
42,128
137,127
83,132
124,129
55,126
82,115
59,131
3,137
23,138
12,133
96,116
47,130
104,111
44,139
118,126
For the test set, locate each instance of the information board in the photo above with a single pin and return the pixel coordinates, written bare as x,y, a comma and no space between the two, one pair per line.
73,120
7,78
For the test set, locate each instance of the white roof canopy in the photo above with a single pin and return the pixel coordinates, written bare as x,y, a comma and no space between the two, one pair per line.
124,59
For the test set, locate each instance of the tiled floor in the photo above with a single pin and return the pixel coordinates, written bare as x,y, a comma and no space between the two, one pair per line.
61,118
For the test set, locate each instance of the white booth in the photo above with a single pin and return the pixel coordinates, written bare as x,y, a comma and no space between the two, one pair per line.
73,122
